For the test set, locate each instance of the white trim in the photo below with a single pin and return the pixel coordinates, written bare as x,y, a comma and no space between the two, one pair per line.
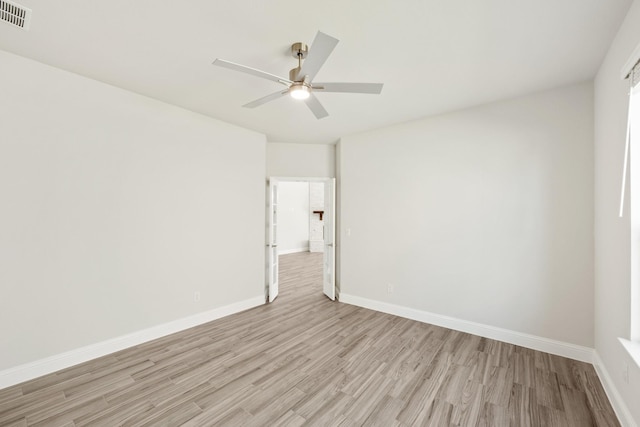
631,62
300,178
560,348
619,407
633,348
57,362
293,251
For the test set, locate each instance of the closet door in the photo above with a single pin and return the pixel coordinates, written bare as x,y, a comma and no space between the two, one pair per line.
272,245
329,263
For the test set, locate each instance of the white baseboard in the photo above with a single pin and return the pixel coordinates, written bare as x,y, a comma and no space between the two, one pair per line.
620,408
293,251
560,348
55,363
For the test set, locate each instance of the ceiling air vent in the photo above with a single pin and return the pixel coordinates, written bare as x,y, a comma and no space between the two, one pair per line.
15,14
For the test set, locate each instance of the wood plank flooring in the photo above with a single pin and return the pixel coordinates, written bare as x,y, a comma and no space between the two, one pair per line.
305,360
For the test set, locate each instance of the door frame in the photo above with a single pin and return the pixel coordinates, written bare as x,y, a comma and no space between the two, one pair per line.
268,272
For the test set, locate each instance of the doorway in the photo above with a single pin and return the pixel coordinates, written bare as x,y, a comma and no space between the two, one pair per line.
321,230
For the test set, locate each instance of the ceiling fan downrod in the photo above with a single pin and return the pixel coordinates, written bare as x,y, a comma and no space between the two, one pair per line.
298,51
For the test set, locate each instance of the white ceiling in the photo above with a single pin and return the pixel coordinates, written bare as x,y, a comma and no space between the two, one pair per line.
432,55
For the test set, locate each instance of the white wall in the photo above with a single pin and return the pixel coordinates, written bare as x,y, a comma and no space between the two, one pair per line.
301,160
293,217
612,234
484,215
115,208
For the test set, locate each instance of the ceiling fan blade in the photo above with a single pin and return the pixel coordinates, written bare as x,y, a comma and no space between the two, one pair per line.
265,99
373,88
319,51
252,71
316,108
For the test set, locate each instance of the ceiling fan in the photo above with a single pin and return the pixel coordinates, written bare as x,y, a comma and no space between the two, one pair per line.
300,82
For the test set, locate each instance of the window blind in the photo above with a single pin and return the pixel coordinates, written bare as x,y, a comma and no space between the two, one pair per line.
634,75
634,83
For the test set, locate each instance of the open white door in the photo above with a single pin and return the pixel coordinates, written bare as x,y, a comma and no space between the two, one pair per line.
272,245
329,263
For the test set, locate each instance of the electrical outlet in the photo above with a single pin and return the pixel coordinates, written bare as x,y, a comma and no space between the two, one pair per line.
196,296
390,288
625,373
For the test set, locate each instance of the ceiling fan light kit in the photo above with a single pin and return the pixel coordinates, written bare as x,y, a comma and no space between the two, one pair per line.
299,91
299,84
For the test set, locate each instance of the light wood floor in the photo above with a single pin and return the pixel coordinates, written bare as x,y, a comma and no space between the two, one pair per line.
304,360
